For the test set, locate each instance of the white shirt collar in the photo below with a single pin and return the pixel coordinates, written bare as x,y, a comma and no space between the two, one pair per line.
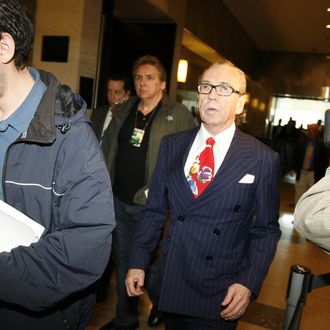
222,137
220,149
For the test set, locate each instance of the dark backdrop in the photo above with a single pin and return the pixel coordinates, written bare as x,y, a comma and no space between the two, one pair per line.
125,41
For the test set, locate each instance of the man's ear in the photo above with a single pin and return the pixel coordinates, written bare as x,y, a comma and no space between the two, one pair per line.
7,48
163,85
240,104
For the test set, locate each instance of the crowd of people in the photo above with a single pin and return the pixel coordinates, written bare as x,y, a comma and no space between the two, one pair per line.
303,154
188,209
305,157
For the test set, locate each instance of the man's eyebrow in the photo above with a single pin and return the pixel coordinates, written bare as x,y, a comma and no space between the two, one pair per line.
146,75
215,83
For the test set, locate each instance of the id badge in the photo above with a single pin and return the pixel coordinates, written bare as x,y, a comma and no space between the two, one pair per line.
137,137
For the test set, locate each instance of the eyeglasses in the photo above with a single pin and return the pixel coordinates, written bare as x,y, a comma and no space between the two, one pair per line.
222,89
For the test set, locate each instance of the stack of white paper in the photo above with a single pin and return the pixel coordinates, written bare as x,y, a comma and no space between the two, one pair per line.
16,228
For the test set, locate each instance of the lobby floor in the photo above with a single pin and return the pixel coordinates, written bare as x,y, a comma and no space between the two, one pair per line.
268,311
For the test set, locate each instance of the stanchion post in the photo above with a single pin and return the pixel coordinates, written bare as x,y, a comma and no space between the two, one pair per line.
298,287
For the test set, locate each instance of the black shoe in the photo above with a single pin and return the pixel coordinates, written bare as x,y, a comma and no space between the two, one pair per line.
113,326
155,318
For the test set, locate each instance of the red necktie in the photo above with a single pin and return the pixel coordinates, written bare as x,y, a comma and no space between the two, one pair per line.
201,172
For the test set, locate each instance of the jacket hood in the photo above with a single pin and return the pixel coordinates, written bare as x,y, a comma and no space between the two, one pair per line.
59,108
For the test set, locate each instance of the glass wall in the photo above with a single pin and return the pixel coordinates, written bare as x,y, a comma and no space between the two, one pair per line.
302,111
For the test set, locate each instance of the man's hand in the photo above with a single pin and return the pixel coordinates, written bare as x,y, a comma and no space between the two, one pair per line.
236,301
135,282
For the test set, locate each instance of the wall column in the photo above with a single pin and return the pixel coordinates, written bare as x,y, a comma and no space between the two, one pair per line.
80,21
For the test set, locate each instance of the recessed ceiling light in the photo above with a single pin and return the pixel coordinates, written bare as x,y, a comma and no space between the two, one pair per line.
328,26
328,9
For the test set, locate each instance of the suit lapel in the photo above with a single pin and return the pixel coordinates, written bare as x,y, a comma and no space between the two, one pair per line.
231,170
233,167
182,148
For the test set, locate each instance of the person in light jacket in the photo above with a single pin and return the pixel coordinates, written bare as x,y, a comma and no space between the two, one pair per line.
312,213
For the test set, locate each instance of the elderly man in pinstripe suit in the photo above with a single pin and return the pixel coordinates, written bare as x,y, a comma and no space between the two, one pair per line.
219,244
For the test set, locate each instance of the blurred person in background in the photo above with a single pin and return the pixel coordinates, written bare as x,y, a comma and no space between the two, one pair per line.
118,91
310,160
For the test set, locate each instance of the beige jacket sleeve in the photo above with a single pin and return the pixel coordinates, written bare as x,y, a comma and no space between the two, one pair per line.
312,213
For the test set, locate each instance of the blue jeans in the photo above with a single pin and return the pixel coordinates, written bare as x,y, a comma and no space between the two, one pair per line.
127,216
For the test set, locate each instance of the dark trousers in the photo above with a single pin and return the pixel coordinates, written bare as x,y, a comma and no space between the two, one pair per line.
11,319
127,216
182,322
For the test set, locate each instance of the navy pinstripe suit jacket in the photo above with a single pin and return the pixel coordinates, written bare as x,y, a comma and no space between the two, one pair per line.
227,235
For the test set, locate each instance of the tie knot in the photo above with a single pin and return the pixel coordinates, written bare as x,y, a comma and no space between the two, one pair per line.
210,142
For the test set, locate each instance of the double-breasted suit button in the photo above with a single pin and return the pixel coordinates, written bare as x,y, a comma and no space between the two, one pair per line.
181,218
237,208
216,231
209,258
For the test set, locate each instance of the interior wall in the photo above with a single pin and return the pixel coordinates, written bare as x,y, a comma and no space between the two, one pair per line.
229,39
302,75
177,9
127,40
80,21
124,42
134,39
90,38
212,22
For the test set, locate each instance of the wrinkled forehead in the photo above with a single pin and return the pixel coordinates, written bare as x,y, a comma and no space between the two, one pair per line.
221,73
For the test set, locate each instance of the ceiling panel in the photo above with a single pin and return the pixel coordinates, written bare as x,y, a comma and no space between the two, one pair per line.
285,25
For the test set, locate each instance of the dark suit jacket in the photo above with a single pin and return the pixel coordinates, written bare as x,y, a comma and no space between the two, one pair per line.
98,117
227,235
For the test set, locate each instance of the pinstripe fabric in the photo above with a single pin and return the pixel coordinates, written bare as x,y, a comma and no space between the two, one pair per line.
228,235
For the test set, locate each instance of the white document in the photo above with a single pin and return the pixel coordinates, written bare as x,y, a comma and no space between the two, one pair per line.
16,228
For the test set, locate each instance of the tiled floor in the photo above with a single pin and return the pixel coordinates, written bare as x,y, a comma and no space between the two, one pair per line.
268,312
